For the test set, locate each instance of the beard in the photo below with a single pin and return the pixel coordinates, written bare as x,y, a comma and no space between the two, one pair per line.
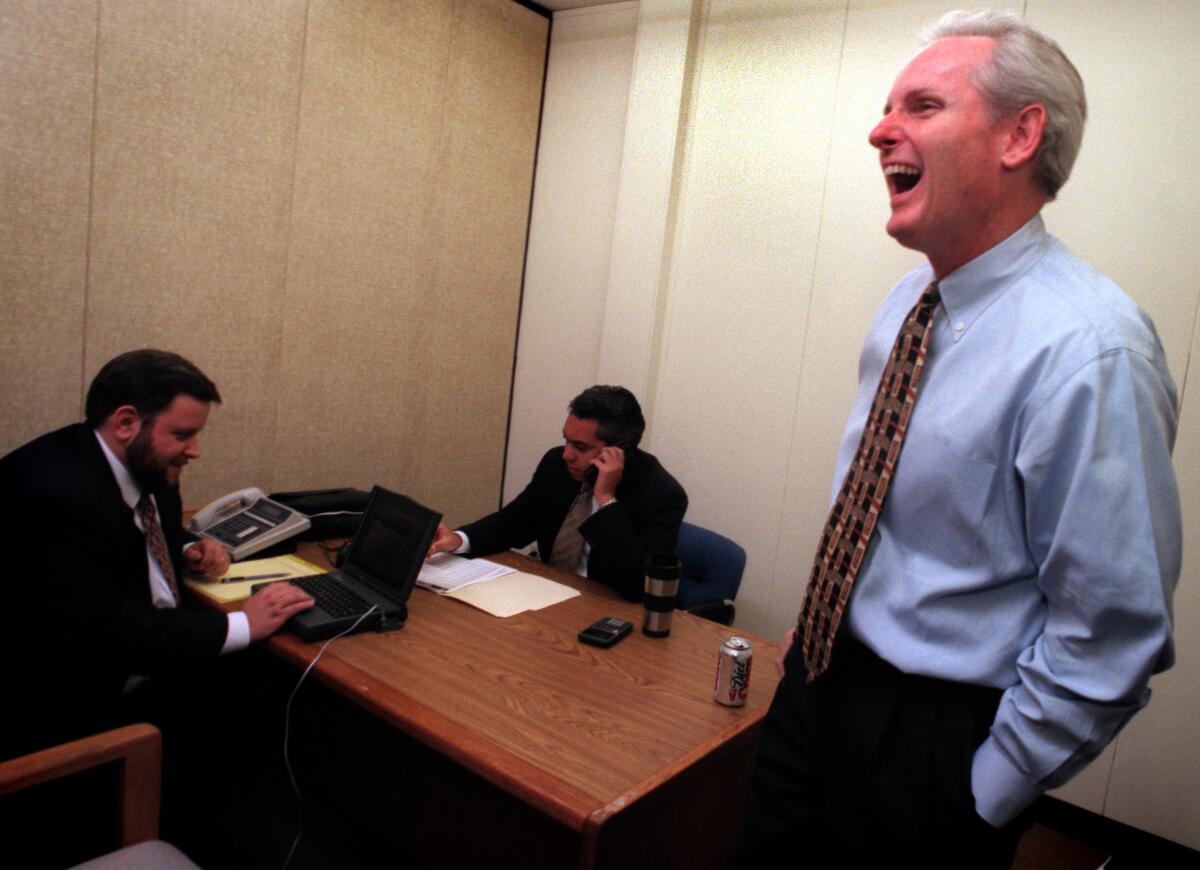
147,470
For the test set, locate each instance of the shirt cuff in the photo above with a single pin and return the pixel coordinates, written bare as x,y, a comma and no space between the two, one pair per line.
466,542
597,506
238,634
1001,791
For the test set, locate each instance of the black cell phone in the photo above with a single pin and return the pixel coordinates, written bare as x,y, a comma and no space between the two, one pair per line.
605,632
592,472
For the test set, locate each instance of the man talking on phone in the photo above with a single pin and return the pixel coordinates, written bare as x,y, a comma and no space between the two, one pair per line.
597,506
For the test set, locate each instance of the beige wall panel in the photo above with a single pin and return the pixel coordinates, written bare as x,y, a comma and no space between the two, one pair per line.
741,271
856,264
359,262
195,127
478,233
570,226
1156,774
47,72
1128,210
1130,206
643,230
412,192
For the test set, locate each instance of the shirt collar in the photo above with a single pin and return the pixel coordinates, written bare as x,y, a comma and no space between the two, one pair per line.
130,491
969,290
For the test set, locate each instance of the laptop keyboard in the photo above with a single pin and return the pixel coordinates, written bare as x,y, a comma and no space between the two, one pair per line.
331,596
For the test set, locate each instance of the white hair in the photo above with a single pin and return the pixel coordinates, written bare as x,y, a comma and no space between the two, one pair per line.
1026,67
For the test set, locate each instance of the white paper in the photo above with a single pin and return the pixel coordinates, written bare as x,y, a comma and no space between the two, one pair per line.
446,572
514,594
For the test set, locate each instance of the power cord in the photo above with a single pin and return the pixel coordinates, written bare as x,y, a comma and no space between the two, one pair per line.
287,729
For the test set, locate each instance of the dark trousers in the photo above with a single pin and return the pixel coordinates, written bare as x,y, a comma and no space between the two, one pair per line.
869,766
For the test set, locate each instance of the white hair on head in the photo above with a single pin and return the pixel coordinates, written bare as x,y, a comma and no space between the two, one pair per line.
1025,67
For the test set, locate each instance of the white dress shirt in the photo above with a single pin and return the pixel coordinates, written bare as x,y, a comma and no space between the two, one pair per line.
237,635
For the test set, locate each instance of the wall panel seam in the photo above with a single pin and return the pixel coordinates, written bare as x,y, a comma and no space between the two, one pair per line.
512,375
88,226
691,73
1187,364
284,290
783,529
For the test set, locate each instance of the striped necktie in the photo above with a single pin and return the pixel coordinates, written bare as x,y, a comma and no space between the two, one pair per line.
157,542
568,543
851,522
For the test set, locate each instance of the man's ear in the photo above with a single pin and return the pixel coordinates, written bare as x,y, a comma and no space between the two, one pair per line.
1025,130
125,423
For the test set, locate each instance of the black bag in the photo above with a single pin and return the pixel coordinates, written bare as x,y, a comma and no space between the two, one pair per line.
334,513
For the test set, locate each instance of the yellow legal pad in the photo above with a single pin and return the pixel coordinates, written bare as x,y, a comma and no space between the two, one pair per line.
242,577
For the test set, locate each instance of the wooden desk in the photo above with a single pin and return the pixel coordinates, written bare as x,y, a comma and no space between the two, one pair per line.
623,747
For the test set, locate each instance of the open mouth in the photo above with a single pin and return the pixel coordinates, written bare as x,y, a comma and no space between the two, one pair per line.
901,177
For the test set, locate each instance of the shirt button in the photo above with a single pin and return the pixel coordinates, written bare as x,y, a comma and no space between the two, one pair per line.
960,326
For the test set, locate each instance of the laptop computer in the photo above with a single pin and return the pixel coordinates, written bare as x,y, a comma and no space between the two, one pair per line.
379,568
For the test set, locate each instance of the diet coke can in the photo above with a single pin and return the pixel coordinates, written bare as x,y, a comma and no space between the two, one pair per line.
733,672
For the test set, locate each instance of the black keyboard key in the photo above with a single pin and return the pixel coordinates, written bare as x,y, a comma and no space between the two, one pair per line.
331,596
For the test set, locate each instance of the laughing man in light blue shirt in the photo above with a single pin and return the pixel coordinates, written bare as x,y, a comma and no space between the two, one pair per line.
1029,543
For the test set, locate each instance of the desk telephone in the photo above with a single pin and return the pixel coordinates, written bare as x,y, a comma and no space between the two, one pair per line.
246,521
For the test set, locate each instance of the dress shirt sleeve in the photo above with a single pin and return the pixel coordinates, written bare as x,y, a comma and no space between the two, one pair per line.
237,635
1103,526
515,524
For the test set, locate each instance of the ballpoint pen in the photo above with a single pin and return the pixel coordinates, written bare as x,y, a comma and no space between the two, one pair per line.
252,577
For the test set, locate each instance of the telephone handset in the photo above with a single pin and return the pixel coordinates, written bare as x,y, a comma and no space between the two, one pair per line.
592,472
246,521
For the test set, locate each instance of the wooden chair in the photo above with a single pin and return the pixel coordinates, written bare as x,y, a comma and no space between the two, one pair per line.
138,751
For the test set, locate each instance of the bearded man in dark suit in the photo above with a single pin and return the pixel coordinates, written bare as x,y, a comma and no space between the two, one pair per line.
94,585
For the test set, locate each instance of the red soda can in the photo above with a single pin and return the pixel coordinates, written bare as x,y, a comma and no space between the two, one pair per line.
733,672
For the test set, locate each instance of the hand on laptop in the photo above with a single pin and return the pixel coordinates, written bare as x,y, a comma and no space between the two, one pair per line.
266,611
445,541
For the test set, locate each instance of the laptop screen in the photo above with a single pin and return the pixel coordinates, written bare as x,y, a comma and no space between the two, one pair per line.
391,543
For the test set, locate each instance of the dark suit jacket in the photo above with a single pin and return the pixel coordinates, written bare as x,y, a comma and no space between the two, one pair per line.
645,518
78,572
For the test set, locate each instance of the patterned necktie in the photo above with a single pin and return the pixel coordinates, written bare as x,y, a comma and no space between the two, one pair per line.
158,543
852,520
568,543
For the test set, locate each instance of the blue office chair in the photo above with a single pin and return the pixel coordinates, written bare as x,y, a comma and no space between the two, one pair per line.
710,572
